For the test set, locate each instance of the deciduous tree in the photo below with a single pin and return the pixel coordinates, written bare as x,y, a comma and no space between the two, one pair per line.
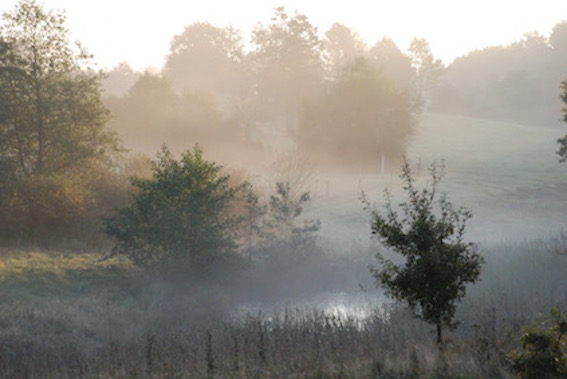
205,57
341,47
53,135
363,117
437,262
287,63
52,119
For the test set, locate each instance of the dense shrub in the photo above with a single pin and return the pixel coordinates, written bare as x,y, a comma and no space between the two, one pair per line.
182,213
543,348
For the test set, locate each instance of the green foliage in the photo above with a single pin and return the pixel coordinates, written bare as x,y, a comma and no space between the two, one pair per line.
182,213
51,114
52,130
429,235
543,348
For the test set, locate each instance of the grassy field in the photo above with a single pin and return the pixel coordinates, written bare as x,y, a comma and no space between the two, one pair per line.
487,157
507,174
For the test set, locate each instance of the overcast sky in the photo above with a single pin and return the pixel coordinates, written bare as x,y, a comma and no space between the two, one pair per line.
140,32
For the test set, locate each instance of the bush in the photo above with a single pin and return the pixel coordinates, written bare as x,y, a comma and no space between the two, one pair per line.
182,213
283,237
544,344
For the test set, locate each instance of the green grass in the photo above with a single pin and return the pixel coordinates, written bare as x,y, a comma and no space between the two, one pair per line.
29,274
507,174
487,158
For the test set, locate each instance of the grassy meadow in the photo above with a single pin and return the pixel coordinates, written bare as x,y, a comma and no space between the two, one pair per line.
73,315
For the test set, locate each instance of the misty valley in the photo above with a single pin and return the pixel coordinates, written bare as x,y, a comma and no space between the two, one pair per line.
290,203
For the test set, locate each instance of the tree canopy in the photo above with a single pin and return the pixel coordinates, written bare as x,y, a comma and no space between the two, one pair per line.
363,117
52,119
204,57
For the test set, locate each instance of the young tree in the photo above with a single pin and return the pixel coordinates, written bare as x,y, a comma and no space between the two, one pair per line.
182,213
284,237
543,352
429,235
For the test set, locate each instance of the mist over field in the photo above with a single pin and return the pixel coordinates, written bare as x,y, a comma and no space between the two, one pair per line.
249,208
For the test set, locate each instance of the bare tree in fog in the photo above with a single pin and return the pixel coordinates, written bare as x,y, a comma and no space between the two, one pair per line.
287,62
428,70
341,47
396,65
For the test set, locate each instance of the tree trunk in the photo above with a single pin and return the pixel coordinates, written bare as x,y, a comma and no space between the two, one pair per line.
439,335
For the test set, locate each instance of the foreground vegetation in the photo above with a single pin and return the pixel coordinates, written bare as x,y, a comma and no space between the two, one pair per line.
75,315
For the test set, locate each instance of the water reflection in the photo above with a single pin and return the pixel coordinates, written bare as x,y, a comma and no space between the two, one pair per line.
341,306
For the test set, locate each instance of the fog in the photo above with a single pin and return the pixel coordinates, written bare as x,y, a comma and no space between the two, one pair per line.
117,263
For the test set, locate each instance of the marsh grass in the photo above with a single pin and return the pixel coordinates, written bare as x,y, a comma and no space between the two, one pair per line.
74,316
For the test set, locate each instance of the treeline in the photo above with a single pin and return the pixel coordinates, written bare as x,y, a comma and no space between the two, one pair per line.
518,83
334,98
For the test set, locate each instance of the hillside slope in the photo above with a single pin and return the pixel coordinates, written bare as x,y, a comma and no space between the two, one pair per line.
507,174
